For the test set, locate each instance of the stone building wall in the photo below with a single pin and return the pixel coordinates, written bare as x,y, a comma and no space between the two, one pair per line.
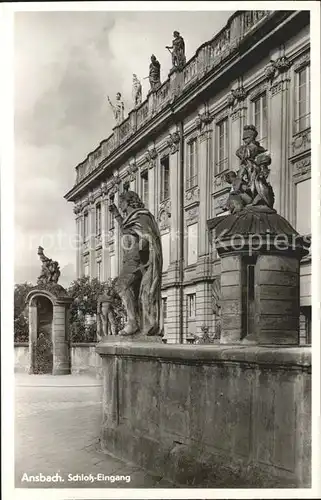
250,90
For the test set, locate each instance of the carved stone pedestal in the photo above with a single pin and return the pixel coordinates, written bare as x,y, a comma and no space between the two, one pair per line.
260,257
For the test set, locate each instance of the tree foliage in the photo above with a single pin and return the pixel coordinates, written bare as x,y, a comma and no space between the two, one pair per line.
85,292
21,291
21,326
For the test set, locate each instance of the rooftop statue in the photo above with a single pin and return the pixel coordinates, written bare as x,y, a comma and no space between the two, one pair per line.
137,91
177,51
249,186
139,282
50,271
154,74
118,108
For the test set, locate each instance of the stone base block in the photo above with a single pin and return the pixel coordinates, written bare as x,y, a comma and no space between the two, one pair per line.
188,465
61,371
208,415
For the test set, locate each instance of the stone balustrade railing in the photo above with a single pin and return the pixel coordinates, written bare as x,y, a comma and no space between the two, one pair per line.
208,55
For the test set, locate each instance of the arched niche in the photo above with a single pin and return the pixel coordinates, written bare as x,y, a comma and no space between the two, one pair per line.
48,323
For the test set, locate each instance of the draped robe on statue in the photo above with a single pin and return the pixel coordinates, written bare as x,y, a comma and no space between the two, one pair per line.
142,268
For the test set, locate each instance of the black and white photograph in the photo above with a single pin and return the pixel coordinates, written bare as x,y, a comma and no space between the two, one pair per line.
159,297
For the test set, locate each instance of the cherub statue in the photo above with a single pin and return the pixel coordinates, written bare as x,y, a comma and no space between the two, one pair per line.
240,194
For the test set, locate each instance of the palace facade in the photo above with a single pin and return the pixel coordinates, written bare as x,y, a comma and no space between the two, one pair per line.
176,147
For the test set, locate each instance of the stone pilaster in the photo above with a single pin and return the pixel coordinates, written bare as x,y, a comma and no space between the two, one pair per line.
117,237
277,291
175,196
92,237
33,326
278,145
204,301
151,156
236,101
172,321
78,239
105,272
204,180
61,359
231,299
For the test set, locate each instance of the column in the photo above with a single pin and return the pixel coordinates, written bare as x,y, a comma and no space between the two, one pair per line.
278,145
152,190
105,271
92,241
175,180
33,320
204,180
79,243
117,238
172,322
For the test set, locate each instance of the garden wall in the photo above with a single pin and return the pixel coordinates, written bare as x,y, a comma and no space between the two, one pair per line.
84,358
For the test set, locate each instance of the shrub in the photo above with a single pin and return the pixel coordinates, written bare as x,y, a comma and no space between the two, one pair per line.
43,355
21,324
21,329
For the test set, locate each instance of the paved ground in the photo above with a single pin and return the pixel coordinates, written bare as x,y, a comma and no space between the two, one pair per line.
57,423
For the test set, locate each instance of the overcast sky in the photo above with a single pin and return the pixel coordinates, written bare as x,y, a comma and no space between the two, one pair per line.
65,65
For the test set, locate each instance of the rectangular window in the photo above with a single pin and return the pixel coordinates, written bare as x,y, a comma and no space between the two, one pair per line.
144,188
111,217
99,270
222,145
86,226
260,119
192,170
191,305
303,207
164,308
164,171
192,241
98,219
302,99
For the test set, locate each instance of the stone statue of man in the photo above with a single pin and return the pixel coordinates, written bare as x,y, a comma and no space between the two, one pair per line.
137,91
118,108
139,282
178,51
154,74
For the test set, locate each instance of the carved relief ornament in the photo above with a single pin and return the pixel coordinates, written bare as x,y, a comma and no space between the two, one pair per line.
236,95
275,68
203,119
192,215
302,167
113,186
164,215
173,142
151,155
